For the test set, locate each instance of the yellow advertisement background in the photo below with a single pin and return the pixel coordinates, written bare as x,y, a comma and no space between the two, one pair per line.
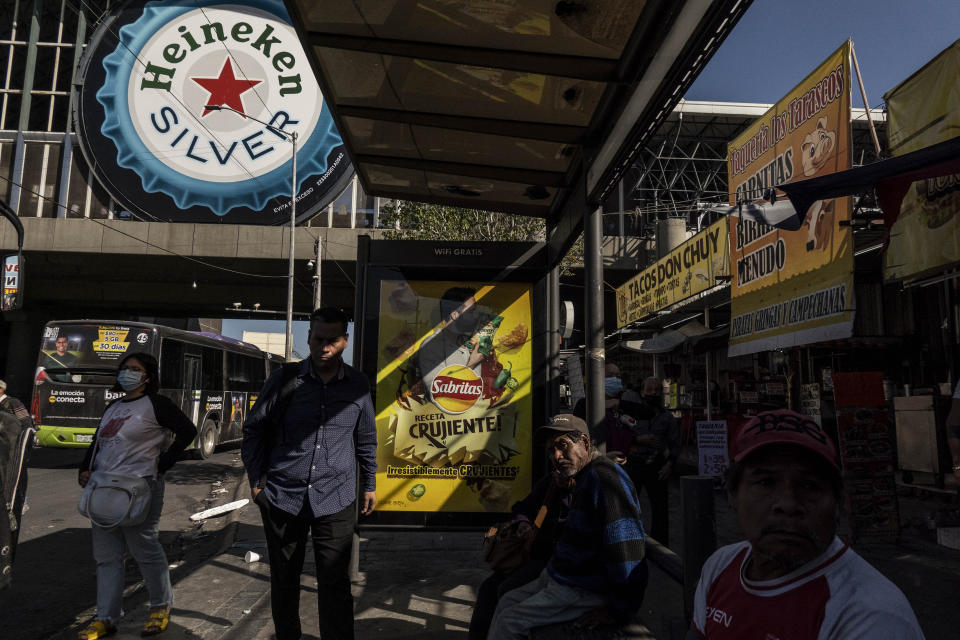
505,453
922,111
804,271
686,283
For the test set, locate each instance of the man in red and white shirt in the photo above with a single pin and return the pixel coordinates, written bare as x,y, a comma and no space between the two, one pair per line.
793,578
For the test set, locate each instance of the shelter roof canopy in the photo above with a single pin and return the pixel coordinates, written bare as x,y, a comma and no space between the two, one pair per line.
502,106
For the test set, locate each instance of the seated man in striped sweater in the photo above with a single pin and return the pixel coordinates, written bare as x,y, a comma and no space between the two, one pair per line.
598,572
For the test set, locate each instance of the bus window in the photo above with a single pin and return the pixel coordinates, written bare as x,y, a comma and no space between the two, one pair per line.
211,371
244,373
171,364
257,372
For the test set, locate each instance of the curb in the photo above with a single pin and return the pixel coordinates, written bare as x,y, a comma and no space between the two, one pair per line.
240,629
249,624
228,532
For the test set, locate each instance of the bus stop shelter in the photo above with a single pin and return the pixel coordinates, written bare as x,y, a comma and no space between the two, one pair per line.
533,107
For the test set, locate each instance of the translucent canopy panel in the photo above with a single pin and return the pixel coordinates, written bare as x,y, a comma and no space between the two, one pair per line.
595,29
377,137
429,86
533,107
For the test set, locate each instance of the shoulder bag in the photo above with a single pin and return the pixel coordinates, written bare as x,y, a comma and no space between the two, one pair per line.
504,549
114,499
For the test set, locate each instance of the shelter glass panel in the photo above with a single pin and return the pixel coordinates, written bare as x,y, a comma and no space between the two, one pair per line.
446,145
457,89
443,185
366,208
600,32
342,208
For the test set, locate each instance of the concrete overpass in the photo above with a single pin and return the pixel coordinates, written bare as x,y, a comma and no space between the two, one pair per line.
88,268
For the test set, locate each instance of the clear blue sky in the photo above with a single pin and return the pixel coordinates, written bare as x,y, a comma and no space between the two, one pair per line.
233,328
778,42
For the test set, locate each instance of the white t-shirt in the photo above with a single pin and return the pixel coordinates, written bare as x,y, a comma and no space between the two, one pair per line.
837,596
129,439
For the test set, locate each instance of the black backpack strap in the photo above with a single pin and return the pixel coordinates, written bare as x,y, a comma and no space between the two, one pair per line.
288,384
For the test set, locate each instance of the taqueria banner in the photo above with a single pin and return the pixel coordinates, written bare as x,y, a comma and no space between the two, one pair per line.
454,409
789,288
922,111
686,271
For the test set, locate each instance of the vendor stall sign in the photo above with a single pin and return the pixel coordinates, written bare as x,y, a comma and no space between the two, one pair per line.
712,452
453,396
793,287
922,111
691,268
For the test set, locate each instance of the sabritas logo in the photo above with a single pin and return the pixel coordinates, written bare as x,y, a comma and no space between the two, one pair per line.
456,389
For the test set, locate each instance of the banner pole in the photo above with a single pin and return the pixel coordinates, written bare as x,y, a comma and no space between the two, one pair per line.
866,105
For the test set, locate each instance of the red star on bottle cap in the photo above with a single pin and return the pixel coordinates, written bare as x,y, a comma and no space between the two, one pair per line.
226,90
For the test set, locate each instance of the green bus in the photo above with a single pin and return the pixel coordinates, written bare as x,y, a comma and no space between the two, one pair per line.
212,378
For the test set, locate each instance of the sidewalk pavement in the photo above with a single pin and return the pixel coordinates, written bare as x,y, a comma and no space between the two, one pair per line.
421,585
413,584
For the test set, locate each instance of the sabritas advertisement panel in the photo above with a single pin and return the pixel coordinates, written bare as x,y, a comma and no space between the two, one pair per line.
793,287
453,396
922,111
689,269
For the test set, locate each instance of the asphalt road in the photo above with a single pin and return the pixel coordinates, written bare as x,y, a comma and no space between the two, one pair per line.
54,579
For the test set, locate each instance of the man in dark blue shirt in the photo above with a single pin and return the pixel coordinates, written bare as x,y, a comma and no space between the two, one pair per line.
598,570
311,427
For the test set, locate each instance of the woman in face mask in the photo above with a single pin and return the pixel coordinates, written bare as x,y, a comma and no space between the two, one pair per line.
132,439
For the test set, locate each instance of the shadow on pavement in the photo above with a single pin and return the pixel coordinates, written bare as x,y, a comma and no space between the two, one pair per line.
49,458
418,585
54,587
200,472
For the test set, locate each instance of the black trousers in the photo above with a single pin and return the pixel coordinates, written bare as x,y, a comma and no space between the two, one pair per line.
493,588
332,537
646,475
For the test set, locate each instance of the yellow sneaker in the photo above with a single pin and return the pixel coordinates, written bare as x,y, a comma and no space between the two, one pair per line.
157,622
97,629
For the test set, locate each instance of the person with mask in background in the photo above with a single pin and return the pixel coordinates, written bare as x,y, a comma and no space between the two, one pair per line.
653,452
131,439
617,435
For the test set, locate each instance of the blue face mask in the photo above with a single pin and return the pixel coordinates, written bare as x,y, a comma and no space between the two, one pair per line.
612,386
129,380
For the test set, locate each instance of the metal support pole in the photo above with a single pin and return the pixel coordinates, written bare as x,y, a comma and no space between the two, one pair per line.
318,256
593,303
706,355
866,105
699,532
288,350
553,347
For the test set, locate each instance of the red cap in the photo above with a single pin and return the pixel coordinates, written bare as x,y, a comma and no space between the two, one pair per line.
783,427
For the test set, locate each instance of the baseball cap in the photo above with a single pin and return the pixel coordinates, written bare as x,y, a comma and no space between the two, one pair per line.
560,424
783,427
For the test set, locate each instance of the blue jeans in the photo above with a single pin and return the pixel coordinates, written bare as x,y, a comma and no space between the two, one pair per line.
539,603
143,542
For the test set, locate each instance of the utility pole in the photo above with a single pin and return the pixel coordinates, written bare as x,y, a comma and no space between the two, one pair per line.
317,256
